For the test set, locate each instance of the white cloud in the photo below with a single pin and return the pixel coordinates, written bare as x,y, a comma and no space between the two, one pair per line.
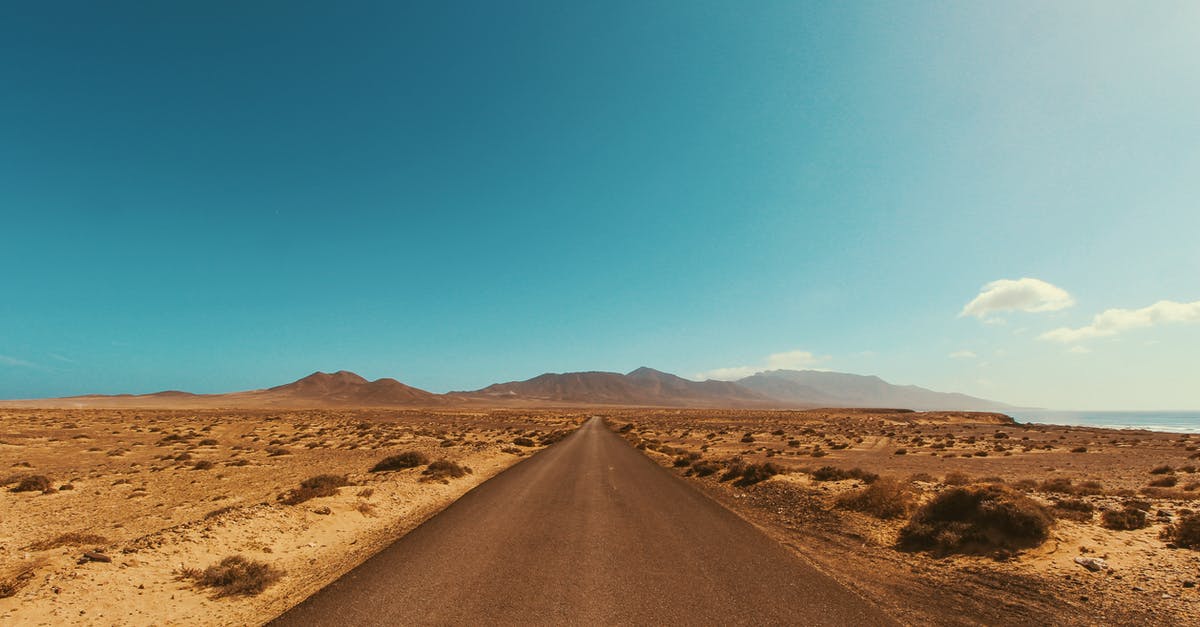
963,354
5,360
1024,294
1079,350
1113,321
789,360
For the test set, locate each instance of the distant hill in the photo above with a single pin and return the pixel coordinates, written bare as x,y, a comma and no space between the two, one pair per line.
346,388
779,389
319,389
644,386
837,389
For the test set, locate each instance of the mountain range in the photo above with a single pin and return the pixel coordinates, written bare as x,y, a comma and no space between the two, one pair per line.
641,387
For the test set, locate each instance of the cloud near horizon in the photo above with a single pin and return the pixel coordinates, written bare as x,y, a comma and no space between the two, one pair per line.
789,360
1113,321
5,360
1024,294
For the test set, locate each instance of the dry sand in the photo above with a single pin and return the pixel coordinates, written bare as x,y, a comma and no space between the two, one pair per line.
140,483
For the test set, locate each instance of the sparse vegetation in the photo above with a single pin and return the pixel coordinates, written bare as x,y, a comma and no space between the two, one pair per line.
74,538
833,473
1125,519
442,470
33,483
977,519
1185,532
234,575
315,487
884,498
407,459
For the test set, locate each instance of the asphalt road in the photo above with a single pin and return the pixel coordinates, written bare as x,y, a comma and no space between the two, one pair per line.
586,532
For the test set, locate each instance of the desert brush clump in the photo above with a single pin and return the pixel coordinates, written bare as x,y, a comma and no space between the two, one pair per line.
703,468
443,470
987,518
885,498
1127,518
234,575
407,459
1074,509
33,483
314,487
73,538
1184,532
833,473
743,474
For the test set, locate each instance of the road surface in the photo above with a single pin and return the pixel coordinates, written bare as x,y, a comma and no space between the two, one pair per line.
587,532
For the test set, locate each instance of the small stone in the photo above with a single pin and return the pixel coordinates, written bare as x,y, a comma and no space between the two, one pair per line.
323,510
96,556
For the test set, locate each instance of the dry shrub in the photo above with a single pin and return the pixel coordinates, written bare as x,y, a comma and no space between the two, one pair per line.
444,469
704,468
9,586
33,483
1168,481
315,487
956,478
1074,509
1126,519
554,436
1185,532
754,473
407,459
234,575
885,498
833,473
74,538
977,519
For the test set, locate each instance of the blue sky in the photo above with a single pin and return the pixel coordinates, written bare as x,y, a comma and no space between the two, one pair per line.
215,196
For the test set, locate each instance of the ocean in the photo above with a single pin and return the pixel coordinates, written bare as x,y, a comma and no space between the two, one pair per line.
1172,421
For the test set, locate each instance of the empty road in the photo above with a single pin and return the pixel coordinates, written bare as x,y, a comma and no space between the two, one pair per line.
586,532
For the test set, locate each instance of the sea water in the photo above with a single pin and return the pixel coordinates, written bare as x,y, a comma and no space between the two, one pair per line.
1173,421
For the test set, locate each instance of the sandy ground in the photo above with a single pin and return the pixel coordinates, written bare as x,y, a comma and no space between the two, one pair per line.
159,491
1148,582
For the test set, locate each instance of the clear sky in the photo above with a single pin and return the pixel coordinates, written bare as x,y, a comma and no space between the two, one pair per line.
215,196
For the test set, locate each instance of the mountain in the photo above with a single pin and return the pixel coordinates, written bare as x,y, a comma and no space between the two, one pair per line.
319,389
644,386
837,389
346,388
641,387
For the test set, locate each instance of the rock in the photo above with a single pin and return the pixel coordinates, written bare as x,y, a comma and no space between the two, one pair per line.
323,510
1093,564
95,556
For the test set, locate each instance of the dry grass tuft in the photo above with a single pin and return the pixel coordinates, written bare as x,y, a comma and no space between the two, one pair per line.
408,459
885,498
74,538
315,487
443,470
1185,532
234,575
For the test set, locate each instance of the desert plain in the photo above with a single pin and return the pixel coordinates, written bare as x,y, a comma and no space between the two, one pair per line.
113,516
